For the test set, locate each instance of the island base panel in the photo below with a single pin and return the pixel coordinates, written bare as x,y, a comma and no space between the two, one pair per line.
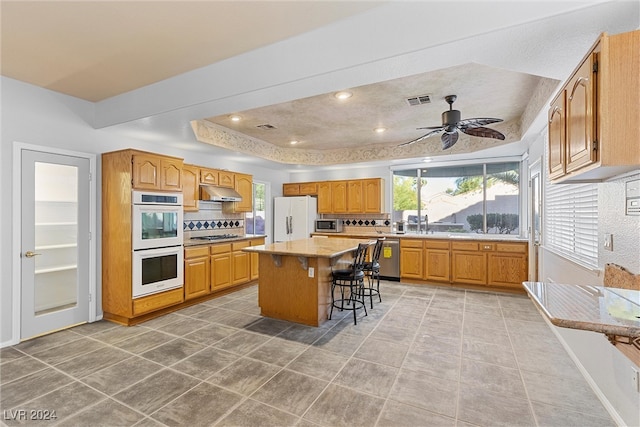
288,293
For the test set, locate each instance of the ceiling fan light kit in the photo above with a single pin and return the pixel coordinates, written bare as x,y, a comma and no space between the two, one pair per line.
451,124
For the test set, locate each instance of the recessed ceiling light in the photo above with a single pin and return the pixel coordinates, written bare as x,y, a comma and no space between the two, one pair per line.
293,142
235,118
427,159
379,129
343,95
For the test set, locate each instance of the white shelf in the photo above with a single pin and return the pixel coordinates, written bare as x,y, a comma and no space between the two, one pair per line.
60,246
56,269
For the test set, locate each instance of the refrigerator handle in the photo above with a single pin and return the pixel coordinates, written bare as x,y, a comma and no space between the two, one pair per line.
291,223
286,224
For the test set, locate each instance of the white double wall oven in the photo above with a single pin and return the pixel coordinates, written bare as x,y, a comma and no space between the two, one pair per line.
157,242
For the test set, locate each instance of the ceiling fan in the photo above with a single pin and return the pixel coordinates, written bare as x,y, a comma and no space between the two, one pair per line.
451,123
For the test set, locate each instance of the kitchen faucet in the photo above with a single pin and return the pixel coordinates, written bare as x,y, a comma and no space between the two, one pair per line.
426,224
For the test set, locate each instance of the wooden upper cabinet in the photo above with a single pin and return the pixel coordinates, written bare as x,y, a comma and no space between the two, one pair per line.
154,172
580,123
190,187
291,189
372,189
227,179
308,188
339,196
324,197
601,129
209,176
355,197
557,136
244,186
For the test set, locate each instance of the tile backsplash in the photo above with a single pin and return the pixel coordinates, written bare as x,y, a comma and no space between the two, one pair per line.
212,220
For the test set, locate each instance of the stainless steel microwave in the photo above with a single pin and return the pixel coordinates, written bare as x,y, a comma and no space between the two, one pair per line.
329,225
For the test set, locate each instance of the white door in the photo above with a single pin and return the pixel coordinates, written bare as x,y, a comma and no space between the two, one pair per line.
281,219
535,219
55,242
299,218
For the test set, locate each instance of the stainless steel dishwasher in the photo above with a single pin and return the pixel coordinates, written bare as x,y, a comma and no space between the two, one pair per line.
390,260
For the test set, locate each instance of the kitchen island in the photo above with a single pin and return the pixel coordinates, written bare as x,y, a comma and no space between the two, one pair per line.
295,277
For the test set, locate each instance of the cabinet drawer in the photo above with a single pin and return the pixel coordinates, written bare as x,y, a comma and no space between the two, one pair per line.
196,252
157,301
484,246
436,244
465,246
519,248
220,249
411,243
239,245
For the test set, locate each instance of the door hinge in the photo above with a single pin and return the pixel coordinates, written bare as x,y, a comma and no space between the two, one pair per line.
595,145
90,299
90,237
595,66
90,176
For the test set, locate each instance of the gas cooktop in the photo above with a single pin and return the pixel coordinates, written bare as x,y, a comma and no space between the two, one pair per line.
216,237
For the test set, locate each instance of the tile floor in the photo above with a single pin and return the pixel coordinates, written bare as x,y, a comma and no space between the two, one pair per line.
425,356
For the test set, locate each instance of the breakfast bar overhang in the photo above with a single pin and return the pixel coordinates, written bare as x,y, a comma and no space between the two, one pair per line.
295,277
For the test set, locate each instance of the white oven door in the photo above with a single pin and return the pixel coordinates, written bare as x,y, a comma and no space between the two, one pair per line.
157,270
156,226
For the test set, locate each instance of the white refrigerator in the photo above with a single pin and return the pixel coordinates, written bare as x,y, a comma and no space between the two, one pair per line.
294,217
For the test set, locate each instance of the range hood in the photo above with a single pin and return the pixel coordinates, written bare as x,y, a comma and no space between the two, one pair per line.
220,194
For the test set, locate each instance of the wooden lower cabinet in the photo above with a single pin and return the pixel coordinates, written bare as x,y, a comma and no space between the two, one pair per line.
221,267
411,256
241,263
156,301
255,260
470,262
196,272
469,267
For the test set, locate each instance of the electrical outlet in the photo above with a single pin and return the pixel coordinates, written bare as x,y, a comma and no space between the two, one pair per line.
311,272
635,377
608,241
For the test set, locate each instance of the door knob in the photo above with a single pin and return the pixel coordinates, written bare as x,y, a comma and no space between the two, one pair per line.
30,254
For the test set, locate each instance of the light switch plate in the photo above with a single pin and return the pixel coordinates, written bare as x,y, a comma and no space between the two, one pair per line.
608,241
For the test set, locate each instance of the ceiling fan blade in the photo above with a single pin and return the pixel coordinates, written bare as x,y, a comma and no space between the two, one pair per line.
448,139
483,132
421,138
477,122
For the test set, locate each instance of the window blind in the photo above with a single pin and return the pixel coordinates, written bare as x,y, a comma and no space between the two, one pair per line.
571,221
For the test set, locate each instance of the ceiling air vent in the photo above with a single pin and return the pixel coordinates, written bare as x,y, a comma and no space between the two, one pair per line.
266,126
419,100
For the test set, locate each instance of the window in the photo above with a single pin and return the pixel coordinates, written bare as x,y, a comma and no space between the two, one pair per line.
255,219
571,221
472,198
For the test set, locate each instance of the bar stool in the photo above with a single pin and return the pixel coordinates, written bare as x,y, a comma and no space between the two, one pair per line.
350,281
372,271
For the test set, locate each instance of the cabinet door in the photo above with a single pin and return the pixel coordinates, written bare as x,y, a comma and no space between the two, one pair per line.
557,136
469,267
241,267
226,179
255,259
372,195
411,263
196,277
171,177
437,264
190,187
209,176
355,197
308,189
244,186
507,269
324,197
339,196
146,172
290,189
220,271
580,117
